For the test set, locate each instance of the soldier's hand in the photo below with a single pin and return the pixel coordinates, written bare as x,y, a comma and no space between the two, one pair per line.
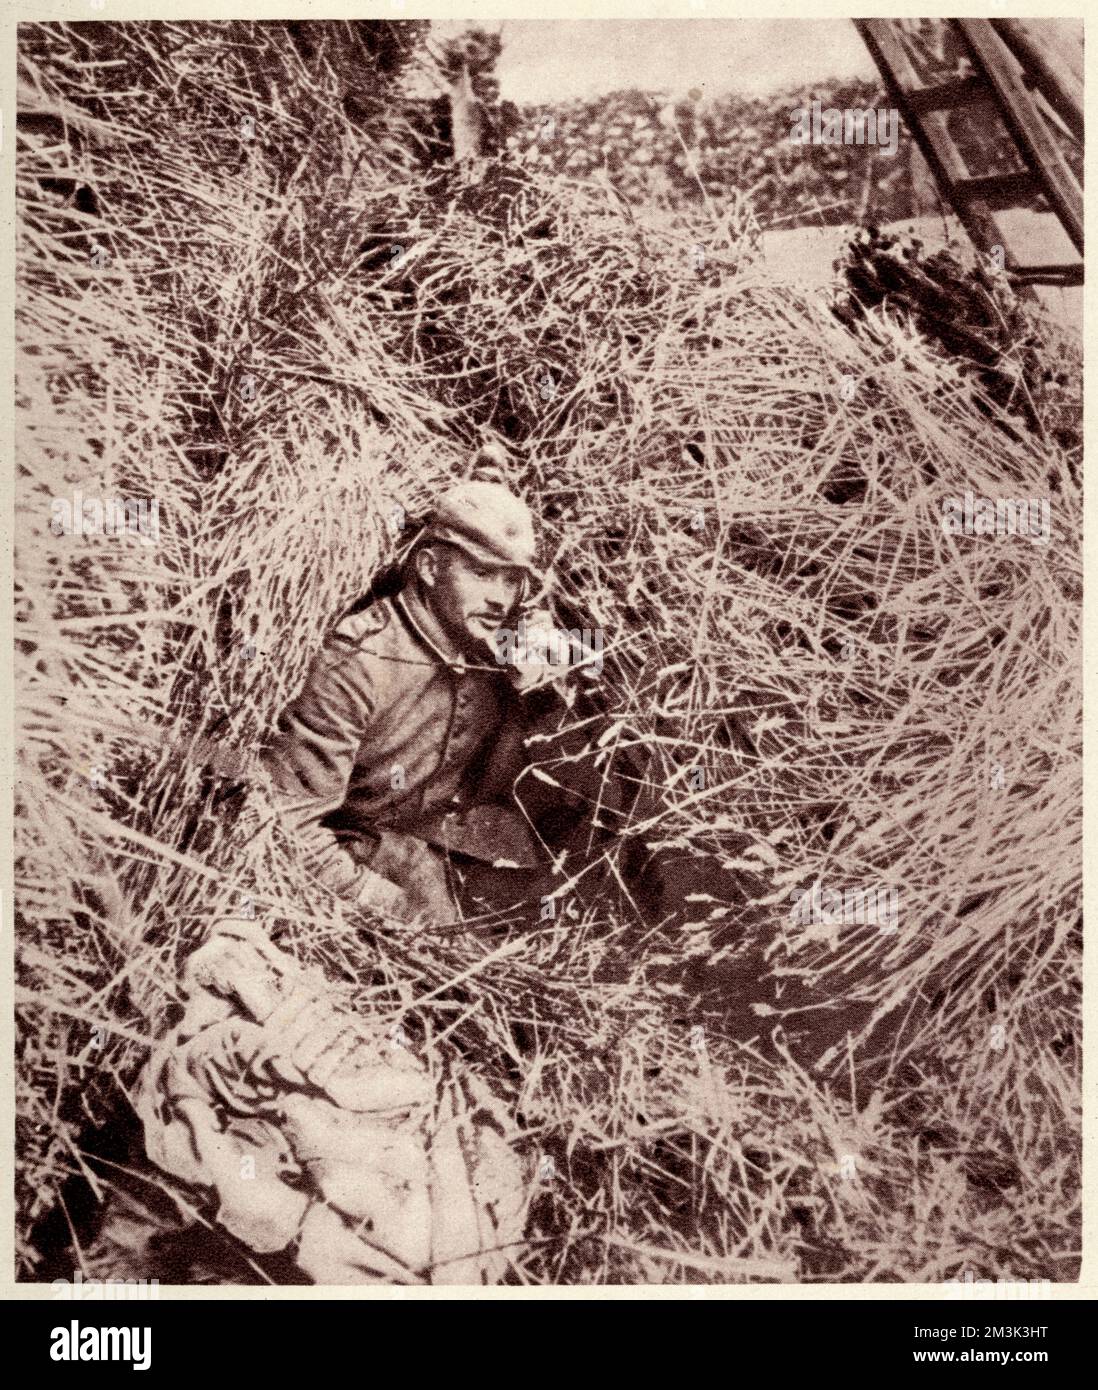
544,653
414,877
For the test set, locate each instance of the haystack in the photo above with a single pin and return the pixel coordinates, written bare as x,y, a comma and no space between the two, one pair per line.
241,295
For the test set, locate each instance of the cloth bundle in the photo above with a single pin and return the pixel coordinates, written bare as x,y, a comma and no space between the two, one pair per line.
317,1132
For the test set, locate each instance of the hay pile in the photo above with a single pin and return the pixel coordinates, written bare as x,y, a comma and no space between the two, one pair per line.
282,336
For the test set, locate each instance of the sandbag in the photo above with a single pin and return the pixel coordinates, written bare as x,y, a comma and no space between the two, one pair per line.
317,1132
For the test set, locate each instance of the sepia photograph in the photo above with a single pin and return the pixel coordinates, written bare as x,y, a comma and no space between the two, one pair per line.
548,584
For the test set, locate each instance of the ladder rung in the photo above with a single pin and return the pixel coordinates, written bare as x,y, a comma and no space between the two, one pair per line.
931,132
999,191
1031,133
1065,274
949,95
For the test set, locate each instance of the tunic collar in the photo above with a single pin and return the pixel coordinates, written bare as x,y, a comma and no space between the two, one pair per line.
429,631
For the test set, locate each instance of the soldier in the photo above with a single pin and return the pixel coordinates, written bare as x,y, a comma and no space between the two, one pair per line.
401,751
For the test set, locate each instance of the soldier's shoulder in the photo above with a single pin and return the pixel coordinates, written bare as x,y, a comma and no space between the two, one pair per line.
364,629
375,642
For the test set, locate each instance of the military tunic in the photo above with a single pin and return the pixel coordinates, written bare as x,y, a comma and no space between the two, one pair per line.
393,728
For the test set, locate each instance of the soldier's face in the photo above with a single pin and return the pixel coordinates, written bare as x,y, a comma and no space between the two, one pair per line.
470,600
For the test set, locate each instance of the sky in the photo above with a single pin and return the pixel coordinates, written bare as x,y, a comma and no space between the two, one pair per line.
553,60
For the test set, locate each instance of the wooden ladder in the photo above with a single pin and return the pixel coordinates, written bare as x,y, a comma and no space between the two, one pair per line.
1007,66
